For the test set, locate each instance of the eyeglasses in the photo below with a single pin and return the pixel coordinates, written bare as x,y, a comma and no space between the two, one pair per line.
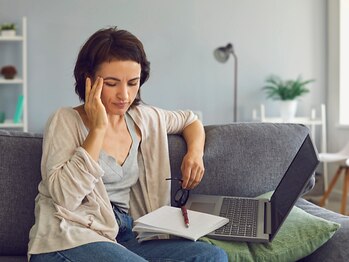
181,195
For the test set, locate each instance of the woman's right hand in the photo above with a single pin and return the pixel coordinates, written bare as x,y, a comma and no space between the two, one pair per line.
94,108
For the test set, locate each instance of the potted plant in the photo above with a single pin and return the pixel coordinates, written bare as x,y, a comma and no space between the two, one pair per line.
287,92
8,29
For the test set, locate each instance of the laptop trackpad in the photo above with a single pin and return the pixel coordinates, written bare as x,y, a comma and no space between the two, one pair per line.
203,207
205,203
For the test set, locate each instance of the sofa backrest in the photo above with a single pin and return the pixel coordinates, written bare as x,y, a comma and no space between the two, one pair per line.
20,156
243,159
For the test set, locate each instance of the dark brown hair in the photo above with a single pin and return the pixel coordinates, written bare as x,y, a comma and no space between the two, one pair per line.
104,46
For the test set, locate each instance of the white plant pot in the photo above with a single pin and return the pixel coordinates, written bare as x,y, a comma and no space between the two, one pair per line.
288,110
8,33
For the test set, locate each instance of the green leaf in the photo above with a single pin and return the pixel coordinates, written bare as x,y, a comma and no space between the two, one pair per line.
278,89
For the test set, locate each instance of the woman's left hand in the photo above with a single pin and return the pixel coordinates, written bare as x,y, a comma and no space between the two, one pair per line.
192,170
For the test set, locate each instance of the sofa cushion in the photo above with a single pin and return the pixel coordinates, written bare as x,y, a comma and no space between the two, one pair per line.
336,249
20,157
300,235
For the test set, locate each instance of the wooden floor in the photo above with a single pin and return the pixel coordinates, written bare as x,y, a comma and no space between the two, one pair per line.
334,203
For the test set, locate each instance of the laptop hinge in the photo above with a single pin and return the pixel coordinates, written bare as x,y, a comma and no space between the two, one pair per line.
267,219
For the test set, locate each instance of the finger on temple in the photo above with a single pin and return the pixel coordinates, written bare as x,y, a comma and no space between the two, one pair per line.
87,88
99,87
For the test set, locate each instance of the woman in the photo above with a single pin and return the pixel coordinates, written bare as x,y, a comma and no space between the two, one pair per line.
104,163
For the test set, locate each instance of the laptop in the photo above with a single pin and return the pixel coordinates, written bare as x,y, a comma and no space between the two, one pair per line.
258,220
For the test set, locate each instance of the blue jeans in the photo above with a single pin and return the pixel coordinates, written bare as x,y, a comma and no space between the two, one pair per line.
154,250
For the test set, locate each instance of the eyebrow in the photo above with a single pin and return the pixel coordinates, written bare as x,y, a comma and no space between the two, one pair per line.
117,79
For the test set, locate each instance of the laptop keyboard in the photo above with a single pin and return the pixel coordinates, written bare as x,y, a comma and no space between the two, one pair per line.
242,215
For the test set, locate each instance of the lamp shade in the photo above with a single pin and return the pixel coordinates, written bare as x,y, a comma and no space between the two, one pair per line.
222,53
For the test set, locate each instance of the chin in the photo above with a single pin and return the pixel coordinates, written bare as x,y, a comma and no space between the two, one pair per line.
117,112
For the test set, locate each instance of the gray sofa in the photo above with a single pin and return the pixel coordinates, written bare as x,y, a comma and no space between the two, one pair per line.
243,159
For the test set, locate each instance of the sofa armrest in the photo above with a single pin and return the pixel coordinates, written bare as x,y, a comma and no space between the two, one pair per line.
243,159
20,156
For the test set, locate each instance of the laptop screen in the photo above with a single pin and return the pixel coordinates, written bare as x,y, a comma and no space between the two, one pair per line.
292,184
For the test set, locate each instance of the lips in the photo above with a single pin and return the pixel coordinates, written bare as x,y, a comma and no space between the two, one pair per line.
121,105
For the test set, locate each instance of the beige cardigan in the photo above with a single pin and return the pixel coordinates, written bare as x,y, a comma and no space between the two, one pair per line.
72,207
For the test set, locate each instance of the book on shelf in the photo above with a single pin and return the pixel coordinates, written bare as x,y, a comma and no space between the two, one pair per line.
19,110
169,220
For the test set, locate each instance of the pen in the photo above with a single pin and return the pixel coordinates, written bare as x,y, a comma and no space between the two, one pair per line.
185,215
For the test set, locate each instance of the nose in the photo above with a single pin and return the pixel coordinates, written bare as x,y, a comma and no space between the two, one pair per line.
123,92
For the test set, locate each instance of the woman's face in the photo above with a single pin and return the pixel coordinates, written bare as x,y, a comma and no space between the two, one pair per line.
121,85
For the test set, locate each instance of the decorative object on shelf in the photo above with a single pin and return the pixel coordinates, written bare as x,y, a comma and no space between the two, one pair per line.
9,72
222,55
2,117
288,109
287,92
19,110
8,29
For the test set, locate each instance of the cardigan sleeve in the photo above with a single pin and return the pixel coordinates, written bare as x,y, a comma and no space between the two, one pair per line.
68,171
177,121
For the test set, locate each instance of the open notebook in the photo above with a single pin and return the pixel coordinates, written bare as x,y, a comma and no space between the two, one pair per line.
169,220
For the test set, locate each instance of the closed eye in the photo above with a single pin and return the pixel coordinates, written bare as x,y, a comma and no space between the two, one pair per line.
133,83
111,83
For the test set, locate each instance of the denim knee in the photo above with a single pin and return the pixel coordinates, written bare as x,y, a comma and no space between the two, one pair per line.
205,252
214,254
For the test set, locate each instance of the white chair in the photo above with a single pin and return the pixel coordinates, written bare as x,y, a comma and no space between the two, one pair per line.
342,157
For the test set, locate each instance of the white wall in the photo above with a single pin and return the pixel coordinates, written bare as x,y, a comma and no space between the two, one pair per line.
284,37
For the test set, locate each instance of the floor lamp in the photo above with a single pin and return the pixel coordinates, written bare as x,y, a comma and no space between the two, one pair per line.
222,55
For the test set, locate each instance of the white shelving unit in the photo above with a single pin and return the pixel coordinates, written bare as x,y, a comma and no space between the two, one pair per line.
19,80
